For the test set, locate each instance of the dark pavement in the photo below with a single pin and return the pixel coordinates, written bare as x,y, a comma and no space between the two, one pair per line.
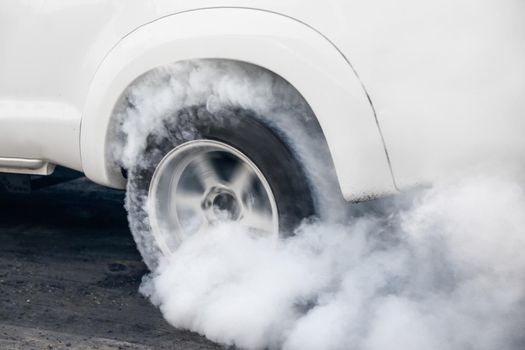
70,273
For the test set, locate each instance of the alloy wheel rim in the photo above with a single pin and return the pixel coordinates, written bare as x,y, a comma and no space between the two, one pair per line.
203,183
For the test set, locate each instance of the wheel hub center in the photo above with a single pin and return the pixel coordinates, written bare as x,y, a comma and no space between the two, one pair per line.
221,205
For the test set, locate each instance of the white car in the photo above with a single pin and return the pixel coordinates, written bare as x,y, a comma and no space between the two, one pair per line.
261,112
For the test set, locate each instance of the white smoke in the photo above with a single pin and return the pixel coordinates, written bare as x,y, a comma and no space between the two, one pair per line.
448,272
443,268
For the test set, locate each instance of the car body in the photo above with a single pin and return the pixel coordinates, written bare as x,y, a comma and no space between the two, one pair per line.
405,92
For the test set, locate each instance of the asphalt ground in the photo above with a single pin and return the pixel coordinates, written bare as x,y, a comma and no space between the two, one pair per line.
70,273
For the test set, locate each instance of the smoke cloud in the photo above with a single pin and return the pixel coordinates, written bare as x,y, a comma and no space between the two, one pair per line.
440,268
443,269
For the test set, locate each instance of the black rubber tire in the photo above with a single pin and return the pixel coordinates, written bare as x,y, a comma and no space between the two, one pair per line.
239,128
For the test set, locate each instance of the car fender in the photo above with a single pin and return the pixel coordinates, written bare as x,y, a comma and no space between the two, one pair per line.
283,45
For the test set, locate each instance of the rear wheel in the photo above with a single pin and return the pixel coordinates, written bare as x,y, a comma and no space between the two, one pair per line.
207,168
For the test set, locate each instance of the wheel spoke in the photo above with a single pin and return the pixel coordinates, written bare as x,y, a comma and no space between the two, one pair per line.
241,180
188,212
191,200
205,171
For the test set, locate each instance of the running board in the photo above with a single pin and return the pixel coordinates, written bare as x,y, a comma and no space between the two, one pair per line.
26,166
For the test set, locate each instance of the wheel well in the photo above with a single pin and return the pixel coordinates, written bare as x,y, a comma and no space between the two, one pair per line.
154,98
213,82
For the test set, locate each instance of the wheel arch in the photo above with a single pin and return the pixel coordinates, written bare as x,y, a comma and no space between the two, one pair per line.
284,46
